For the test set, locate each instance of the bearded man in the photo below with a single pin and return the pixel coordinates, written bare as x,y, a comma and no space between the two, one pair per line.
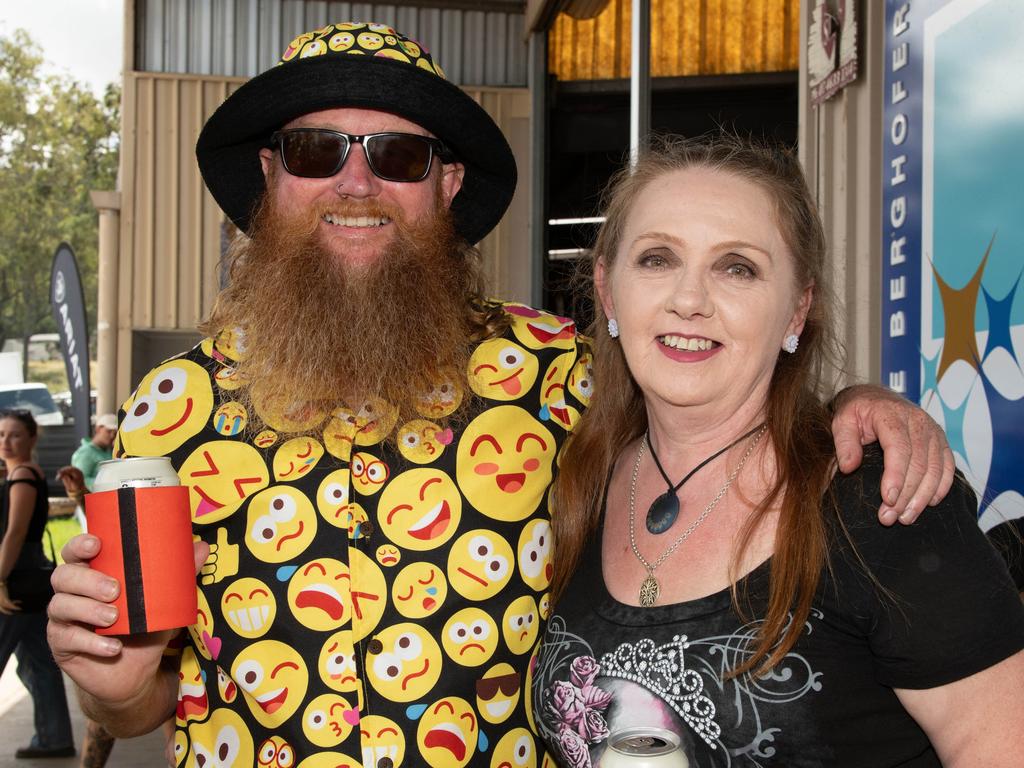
368,440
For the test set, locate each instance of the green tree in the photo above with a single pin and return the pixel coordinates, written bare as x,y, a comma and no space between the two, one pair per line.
57,143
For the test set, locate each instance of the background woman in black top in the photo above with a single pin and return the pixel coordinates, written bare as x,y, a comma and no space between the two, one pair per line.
23,515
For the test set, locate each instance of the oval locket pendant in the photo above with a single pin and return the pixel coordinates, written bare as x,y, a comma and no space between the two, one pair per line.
663,512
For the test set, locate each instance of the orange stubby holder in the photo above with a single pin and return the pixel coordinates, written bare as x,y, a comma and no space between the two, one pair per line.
146,544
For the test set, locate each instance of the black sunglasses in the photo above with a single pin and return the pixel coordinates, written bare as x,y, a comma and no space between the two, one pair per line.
316,153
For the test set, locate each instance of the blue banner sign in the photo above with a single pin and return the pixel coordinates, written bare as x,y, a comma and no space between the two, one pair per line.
953,232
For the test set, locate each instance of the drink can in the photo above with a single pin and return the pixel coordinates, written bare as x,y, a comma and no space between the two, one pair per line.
644,747
136,472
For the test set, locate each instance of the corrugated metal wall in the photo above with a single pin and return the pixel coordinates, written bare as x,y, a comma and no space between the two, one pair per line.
688,37
173,233
239,38
841,150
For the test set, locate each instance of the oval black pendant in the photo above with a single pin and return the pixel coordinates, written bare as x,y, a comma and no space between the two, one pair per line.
663,512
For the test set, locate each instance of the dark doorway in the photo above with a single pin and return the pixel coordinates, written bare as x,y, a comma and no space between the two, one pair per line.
588,138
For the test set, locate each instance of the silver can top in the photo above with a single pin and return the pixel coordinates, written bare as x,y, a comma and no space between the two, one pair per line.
644,741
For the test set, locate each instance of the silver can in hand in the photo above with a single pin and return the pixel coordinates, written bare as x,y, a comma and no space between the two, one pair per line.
136,472
644,747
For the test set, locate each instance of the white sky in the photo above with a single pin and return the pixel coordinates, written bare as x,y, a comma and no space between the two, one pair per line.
81,38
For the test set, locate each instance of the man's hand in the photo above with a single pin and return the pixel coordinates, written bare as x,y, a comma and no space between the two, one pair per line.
120,677
919,464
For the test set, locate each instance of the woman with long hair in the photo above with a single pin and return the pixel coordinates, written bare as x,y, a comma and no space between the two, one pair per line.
724,597
24,510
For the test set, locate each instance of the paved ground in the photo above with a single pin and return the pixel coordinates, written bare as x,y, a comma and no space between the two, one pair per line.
16,730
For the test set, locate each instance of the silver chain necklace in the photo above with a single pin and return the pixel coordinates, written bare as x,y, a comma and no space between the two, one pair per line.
650,589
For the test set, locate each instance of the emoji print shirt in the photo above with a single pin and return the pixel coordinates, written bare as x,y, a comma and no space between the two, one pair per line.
367,601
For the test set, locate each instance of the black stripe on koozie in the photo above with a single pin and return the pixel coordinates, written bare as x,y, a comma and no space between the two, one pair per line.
133,591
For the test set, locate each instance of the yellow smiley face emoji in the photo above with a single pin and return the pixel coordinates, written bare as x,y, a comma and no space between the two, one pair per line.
403,662
273,678
420,509
171,405
391,53
329,760
319,594
421,441
552,395
340,433
504,463
516,749
265,439
341,41
371,41
387,555
249,607
275,752
544,606
202,631
313,48
419,590
279,524
296,457
441,401
410,48
369,594
581,378
286,415
497,693
500,369
479,564
180,746
332,501
534,550
230,418
382,740
223,741
328,720
373,420
220,476
520,624
448,732
537,329
368,473
193,703
470,637
226,687
228,378
337,662
296,45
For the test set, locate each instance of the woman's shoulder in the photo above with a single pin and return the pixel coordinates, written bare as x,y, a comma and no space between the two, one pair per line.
26,471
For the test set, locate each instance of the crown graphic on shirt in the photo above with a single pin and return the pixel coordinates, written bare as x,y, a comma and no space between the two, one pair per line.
662,670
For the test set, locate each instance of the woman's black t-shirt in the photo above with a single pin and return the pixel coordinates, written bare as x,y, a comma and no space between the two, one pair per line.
948,609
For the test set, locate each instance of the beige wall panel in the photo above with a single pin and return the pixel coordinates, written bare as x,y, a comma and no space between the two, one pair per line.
144,204
172,231
506,250
841,148
164,253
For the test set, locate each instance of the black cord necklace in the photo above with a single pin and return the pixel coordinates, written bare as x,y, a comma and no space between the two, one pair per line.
665,509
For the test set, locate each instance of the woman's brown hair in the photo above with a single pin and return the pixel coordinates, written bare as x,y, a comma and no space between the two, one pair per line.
797,418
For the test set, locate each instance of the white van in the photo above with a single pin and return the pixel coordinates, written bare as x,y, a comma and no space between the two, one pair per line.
34,398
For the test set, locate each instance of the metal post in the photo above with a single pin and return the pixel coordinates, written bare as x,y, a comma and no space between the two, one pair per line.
109,206
639,78
537,76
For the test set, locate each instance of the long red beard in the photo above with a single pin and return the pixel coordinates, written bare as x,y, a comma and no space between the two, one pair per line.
319,333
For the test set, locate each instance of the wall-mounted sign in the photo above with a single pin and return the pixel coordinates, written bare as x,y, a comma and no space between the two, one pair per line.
953,232
832,48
